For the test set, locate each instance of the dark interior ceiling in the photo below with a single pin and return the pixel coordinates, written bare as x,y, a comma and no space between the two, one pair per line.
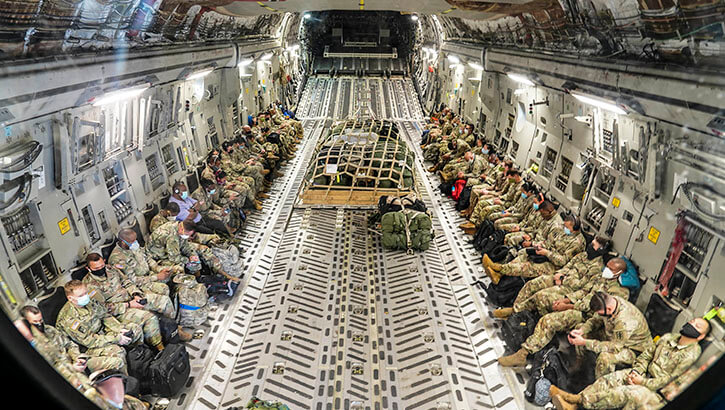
689,32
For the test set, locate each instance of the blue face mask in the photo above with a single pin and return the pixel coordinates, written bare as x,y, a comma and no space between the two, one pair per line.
567,231
134,246
84,300
524,196
536,207
184,194
212,192
484,151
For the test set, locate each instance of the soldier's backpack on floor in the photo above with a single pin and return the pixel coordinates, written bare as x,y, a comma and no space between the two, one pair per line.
256,403
505,292
446,187
193,301
169,330
457,189
138,359
464,201
482,234
660,315
517,328
169,371
493,241
549,367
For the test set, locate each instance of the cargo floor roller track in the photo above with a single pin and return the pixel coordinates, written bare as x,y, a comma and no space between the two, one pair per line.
328,319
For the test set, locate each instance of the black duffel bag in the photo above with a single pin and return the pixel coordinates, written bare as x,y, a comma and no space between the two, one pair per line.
549,367
139,359
168,372
169,330
464,201
518,327
482,233
504,293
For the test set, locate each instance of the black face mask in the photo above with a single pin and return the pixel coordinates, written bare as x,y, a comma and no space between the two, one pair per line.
40,326
689,331
99,272
593,253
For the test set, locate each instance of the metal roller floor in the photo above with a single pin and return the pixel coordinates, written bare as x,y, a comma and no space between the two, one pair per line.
328,319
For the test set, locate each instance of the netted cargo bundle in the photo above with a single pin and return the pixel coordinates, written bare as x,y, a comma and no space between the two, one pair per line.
357,162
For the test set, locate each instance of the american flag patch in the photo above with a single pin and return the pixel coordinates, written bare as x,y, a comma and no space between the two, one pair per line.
75,325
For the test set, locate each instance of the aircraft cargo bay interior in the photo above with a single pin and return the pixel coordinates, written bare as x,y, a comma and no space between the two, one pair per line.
364,205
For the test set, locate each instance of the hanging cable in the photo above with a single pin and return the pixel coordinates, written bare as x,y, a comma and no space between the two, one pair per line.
687,189
23,161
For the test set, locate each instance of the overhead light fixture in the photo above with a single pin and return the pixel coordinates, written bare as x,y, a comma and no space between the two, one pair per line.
475,66
600,102
521,78
245,62
119,95
200,74
453,59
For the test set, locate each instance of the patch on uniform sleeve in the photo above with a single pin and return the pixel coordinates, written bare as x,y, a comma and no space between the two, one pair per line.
119,266
75,324
92,293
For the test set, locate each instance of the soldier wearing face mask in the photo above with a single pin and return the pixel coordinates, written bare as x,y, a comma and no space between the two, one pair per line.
126,301
88,323
673,354
61,352
110,387
567,312
626,333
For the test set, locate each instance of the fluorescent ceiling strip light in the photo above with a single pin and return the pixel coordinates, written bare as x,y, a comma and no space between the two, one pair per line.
119,95
475,66
521,78
603,103
200,74
453,59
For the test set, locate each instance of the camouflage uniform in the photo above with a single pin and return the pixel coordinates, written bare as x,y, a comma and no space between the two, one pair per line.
241,155
237,170
61,352
95,328
626,333
159,220
513,213
208,207
166,245
116,290
554,322
237,185
140,268
540,293
658,364
561,248
486,207
528,226
193,301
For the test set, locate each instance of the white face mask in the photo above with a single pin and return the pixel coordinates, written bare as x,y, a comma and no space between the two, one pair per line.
607,273
183,236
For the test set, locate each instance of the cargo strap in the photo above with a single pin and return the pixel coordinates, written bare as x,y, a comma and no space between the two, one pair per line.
187,307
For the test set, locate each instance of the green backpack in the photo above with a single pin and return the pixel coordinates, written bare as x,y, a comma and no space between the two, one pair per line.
256,403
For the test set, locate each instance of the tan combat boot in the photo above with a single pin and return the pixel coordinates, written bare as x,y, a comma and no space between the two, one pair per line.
264,172
569,397
432,169
561,404
486,261
467,225
514,360
257,205
493,274
503,313
184,336
262,195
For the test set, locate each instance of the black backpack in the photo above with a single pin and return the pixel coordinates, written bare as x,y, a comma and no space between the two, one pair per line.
518,327
168,372
169,330
482,234
493,241
465,199
445,187
505,292
499,254
139,359
548,364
